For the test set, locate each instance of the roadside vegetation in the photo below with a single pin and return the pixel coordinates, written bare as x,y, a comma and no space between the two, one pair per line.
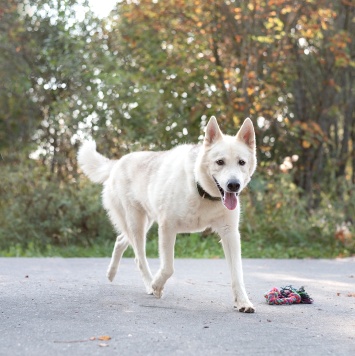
44,217
148,76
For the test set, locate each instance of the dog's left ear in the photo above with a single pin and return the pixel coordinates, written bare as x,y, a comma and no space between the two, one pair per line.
246,133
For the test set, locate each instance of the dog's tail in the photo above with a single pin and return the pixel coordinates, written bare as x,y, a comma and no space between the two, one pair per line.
94,165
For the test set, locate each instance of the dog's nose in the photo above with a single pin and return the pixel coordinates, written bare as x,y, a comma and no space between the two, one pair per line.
233,185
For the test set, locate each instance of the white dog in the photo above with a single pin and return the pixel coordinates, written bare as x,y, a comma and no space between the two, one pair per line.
186,189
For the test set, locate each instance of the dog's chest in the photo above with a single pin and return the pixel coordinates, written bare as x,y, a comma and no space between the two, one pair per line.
198,218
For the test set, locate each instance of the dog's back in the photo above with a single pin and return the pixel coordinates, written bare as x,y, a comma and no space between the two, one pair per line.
155,182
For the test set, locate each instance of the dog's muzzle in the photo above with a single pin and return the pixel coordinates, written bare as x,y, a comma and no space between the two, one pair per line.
229,198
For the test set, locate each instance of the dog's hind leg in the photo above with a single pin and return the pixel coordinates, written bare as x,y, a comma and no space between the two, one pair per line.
139,224
167,240
120,247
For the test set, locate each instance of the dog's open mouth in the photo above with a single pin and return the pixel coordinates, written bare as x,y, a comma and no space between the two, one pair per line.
229,200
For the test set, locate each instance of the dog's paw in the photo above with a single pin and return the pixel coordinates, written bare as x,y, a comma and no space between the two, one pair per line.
149,290
245,307
111,273
246,310
157,291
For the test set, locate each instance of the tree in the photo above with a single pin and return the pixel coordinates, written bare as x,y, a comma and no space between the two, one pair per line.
151,74
19,115
50,63
288,65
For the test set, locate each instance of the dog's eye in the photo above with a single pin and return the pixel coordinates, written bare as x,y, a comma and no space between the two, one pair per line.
220,162
241,162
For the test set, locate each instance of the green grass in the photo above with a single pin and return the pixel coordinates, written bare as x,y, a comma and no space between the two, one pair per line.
192,246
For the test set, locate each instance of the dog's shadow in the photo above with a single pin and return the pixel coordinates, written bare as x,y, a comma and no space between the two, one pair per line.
179,297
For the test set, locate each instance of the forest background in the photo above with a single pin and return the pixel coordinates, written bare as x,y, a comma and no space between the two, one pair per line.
149,76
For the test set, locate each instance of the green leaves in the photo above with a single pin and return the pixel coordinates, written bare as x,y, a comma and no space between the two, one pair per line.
150,75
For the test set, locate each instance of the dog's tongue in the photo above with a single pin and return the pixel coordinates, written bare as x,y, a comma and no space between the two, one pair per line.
230,200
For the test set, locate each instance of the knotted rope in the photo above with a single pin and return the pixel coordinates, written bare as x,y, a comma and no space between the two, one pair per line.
287,295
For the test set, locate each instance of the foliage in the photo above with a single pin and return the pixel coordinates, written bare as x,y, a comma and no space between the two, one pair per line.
276,222
42,217
38,211
287,65
18,115
148,77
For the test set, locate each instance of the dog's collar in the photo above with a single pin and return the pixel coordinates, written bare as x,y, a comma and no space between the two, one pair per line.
204,194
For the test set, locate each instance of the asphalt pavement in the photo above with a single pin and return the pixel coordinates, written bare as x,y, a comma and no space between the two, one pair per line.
55,306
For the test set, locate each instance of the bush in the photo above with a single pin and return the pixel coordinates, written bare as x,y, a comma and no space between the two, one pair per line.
38,212
277,223
40,216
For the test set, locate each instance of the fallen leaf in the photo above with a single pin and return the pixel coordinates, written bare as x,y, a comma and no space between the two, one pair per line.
103,345
104,338
338,294
92,338
351,294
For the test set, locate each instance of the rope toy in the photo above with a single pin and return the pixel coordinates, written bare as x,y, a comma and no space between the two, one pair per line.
287,295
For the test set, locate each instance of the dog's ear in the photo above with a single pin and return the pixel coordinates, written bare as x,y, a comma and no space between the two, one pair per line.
213,132
247,133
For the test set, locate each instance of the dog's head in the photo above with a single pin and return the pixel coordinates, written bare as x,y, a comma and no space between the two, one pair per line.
226,163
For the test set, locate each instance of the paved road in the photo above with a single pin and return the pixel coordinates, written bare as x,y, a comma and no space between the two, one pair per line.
54,306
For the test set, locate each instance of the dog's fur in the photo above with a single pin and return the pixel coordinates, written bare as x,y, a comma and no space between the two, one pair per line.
144,187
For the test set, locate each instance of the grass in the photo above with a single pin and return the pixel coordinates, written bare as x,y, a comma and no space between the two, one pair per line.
192,246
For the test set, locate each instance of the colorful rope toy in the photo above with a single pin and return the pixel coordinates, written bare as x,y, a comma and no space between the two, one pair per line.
287,295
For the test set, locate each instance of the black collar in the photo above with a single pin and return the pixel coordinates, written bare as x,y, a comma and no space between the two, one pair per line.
204,194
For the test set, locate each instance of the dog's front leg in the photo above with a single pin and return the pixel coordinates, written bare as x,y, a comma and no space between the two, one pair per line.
166,253
232,250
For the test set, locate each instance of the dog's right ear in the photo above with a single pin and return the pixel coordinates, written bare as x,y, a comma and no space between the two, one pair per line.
213,132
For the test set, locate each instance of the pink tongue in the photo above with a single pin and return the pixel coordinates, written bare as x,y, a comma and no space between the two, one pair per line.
230,200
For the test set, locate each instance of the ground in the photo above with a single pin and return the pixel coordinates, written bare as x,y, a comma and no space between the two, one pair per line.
56,306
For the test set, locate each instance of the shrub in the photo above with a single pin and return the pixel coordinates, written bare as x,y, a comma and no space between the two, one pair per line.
277,223
42,216
38,211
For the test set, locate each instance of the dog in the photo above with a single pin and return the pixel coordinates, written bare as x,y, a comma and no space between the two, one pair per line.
186,189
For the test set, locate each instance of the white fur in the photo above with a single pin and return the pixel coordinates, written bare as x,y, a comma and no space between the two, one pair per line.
94,165
144,187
